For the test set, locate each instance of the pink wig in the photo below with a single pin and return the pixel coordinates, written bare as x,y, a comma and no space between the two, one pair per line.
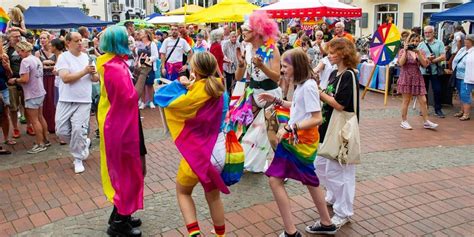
263,26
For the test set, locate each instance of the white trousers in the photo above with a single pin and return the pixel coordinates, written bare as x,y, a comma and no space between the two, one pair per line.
339,181
72,126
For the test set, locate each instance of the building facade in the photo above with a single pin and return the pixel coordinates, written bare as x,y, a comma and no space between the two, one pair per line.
404,13
94,8
119,10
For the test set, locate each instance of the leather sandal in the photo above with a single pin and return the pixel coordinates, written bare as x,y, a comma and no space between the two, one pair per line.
465,118
458,114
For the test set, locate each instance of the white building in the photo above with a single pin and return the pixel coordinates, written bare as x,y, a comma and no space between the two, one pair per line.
96,8
119,10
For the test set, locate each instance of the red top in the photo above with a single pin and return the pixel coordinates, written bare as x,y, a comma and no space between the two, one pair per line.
216,50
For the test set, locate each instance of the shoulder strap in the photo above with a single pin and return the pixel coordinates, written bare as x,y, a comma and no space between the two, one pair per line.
354,88
429,48
461,60
339,81
44,54
172,50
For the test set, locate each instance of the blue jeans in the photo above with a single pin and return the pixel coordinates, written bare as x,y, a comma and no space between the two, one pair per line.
436,86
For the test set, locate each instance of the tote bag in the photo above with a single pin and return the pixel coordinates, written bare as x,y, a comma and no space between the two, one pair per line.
256,145
342,140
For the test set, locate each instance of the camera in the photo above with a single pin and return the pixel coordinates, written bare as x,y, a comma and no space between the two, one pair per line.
411,47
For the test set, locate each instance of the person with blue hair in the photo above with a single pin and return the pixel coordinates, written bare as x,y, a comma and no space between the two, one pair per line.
122,146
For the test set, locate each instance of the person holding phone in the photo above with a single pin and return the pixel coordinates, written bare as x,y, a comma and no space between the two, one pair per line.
410,82
75,98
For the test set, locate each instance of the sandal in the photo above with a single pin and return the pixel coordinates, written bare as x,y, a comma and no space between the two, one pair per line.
5,152
10,142
458,114
465,118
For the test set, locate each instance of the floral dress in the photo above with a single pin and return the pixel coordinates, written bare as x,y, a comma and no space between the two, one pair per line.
410,80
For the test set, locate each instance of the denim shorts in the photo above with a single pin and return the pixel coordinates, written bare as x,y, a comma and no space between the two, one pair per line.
6,97
34,103
465,91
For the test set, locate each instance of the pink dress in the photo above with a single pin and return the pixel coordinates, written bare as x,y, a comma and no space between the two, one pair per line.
410,80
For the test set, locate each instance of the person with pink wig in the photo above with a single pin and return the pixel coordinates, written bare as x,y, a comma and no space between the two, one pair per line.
260,66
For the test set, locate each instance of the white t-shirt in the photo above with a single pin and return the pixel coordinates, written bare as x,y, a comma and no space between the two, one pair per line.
79,91
325,73
181,48
305,101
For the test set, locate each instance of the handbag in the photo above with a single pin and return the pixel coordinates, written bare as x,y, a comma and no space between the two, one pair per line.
256,145
342,140
234,160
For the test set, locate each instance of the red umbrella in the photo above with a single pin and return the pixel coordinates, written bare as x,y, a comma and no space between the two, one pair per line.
311,8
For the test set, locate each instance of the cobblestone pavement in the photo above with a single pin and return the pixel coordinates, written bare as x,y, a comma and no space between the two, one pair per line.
410,183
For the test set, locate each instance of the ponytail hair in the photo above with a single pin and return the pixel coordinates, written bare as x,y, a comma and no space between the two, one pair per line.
205,64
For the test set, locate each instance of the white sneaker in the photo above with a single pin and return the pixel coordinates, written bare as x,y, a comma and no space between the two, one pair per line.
152,105
37,149
430,125
405,125
78,166
141,105
339,221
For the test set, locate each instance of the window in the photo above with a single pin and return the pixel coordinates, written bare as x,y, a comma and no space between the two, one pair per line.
451,5
94,1
427,10
386,13
127,3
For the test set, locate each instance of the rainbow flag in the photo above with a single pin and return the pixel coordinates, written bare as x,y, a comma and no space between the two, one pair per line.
118,119
296,161
4,19
194,119
283,114
234,160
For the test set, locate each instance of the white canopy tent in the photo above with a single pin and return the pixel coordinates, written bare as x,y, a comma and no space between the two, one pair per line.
167,19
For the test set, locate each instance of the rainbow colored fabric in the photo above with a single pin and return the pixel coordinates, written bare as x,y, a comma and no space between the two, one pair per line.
194,119
4,19
283,114
295,161
121,166
234,160
266,51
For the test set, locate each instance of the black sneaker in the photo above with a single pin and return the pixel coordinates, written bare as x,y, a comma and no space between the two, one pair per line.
318,228
440,114
284,234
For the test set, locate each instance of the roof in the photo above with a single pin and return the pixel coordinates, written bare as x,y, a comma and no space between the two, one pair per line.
59,17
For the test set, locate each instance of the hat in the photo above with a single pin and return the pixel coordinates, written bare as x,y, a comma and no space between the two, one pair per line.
159,33
29,35
470,37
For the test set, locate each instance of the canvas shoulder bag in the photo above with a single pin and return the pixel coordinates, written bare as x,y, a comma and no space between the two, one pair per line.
342,140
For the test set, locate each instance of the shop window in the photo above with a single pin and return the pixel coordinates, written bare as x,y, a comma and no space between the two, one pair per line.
427,10
386,13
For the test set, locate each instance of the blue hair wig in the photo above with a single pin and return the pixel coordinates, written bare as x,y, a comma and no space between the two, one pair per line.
115,40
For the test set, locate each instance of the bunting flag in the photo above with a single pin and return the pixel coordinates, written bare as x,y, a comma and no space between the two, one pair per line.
296,161
4,19
283,114
194,119
121,166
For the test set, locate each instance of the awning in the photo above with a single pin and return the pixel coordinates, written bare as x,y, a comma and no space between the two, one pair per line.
59,17
464,12
224,11
311,8
167,20
186,10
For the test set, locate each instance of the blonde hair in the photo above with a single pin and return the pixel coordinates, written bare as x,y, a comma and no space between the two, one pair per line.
205,65
16,15
24,46
48,35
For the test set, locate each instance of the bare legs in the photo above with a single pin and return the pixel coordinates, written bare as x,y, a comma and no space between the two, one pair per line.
283,203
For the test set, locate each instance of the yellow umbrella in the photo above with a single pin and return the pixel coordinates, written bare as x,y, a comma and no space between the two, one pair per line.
186,10
225,11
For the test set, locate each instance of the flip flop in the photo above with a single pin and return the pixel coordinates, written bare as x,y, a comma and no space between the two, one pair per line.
10,142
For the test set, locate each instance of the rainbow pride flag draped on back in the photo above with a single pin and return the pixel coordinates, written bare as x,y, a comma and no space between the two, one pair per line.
296,161
194,119
121,167
4,18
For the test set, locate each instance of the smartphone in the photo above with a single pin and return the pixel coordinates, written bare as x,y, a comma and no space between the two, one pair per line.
91,61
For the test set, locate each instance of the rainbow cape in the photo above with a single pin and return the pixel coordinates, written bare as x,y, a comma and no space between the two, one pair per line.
295,161
194,119
121,167
4,19
283,114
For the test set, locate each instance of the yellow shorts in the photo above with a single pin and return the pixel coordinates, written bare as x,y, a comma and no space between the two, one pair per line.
186,175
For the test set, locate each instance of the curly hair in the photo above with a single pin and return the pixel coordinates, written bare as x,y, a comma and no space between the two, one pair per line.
263,26
345,49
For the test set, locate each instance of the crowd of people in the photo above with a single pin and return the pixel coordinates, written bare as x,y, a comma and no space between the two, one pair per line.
54,82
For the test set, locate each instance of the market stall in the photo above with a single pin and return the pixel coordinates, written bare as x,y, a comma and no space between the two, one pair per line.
59,17
311,9
167,20
224,11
